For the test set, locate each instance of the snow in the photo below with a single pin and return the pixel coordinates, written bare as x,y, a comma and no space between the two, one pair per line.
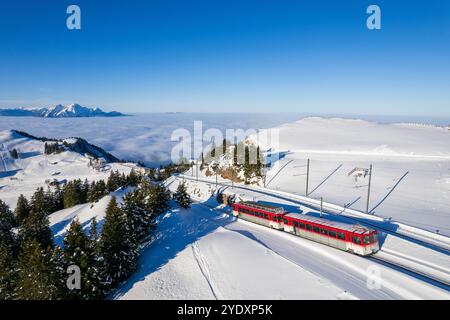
204,252
184,264
33,168
411,167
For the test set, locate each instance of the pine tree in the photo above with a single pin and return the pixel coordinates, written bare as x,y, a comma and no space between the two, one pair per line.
50,201
224,146
7,218
37,278
22,210
97,190
72,194
157,198
7,272
79,251
138,221
37,226
133,179
112,184
213,150
235,155
118,252
182,197
84,191
58,198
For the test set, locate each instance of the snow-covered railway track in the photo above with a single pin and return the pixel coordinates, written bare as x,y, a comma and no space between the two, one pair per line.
434,275
421,239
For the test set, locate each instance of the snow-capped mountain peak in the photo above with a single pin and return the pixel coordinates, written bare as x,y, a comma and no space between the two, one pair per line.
60,111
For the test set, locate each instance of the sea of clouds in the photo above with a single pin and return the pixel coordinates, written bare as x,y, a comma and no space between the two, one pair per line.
141,137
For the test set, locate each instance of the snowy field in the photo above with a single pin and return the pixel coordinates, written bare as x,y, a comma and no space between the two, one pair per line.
411,167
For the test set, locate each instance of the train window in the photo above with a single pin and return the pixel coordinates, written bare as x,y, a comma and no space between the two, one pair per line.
341,235
285,221
280,218
295,224
274,218
316,229
366,240
356,240
302,225
266,216
331,233
309,227
323,231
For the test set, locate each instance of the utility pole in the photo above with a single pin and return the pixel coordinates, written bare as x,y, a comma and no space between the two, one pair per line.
321,206
368,189
196,167
307,177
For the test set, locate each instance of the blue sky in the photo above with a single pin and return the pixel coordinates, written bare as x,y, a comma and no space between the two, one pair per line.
217,55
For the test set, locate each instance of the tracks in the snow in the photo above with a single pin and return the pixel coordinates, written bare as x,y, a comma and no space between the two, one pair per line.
204,268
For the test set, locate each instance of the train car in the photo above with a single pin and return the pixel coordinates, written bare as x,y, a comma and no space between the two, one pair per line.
352,238
347,237
263,214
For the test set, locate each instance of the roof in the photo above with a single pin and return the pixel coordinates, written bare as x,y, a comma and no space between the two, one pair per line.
354,228
262,206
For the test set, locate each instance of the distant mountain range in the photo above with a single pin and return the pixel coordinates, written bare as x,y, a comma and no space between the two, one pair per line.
59,111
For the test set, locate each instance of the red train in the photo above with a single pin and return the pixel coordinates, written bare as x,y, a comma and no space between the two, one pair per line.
351,238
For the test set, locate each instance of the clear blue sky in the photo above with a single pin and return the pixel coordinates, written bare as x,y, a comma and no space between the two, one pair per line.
218,55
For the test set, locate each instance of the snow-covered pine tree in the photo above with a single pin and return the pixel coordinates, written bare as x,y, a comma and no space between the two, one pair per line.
182,197
133,178
138,221
118,251
112,184
7,218
22,210
7,223
37,278
78,250
7,272
37,226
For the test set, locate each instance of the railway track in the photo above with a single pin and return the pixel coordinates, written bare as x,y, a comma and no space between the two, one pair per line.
429,243
436,276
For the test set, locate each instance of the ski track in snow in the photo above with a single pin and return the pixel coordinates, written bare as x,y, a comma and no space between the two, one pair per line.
202,262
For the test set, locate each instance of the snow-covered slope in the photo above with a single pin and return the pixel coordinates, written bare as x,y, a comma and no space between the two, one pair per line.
59,111
204,253
34,169
411,167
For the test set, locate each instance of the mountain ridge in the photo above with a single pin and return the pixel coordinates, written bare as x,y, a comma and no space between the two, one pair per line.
60,111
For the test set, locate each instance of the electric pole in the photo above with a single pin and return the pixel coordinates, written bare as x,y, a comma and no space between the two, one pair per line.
321,206
368,189
307,176
196,168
